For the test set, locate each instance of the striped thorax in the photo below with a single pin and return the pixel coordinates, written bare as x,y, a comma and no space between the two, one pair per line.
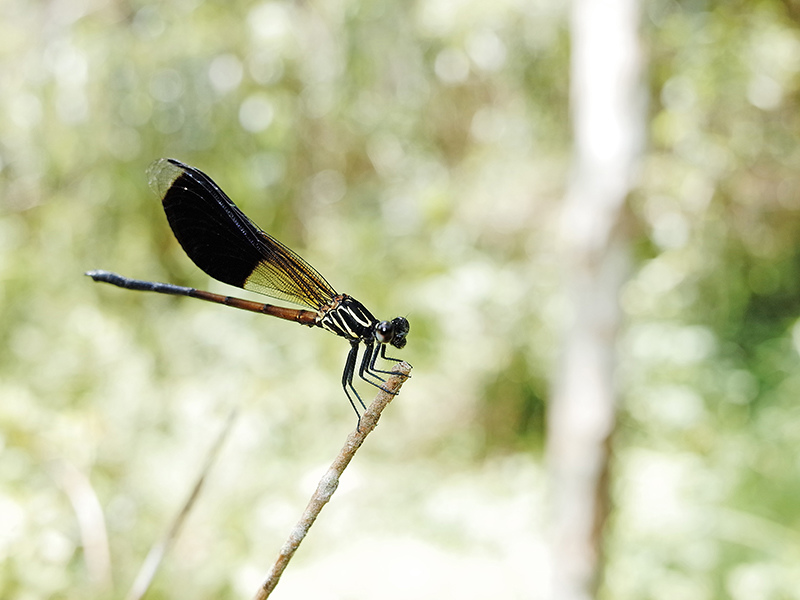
348,318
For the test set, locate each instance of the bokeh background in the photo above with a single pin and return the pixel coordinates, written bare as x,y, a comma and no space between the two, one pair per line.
417,153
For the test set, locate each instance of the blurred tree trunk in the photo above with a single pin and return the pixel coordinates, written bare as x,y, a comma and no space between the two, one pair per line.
607,99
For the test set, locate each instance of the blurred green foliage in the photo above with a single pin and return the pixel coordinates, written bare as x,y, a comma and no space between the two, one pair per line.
415,153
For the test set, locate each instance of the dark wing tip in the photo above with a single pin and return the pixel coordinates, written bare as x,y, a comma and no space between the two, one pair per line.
223,242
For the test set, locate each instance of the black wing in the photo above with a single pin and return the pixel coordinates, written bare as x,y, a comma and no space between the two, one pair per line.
224,243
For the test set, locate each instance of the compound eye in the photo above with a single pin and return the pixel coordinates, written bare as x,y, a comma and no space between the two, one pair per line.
400,329
384,332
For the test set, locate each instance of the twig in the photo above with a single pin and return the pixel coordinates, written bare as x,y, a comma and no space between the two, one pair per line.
330,481
148,569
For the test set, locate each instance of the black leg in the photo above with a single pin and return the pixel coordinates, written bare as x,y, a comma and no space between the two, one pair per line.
389,358
347,379
366,365
382,352
365,369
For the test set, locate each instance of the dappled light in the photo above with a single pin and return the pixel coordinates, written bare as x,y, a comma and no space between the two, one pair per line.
419,155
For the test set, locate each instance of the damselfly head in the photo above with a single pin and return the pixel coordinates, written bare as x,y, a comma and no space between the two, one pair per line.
392,332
